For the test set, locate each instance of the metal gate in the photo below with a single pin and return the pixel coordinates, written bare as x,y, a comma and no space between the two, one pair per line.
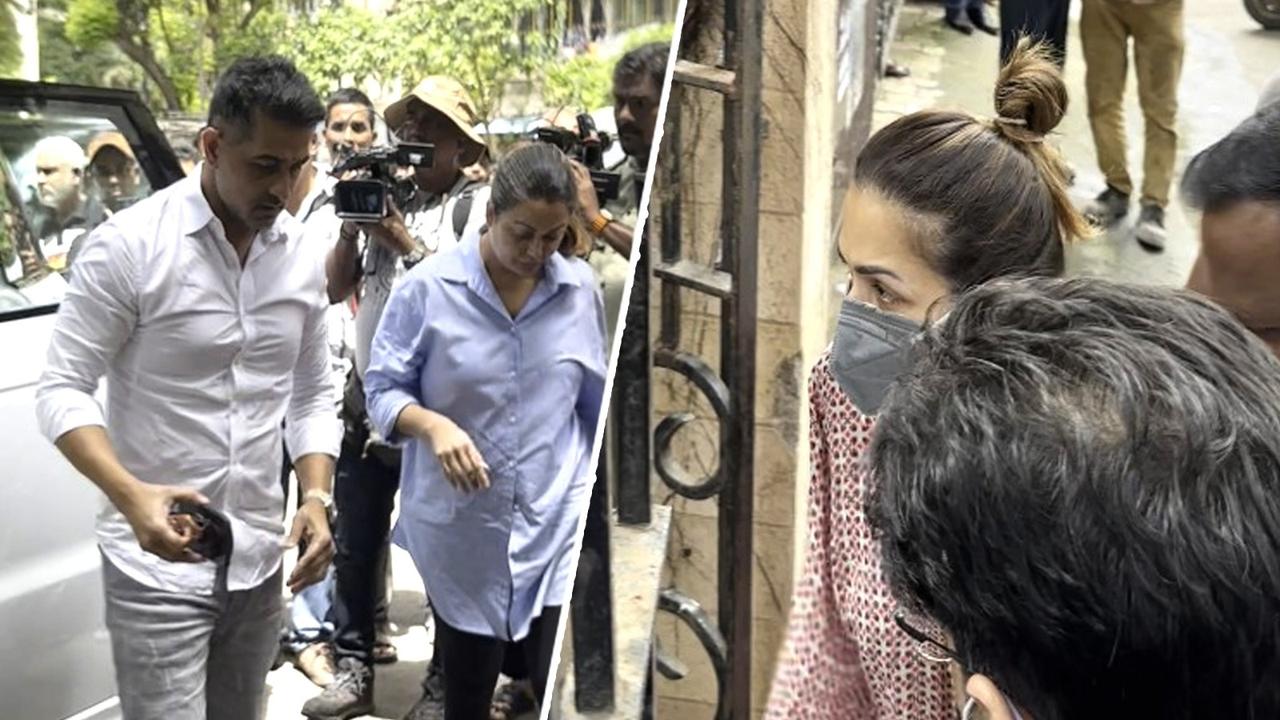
731,389
633,456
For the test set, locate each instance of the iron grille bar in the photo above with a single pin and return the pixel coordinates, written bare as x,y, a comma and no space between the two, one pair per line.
704,76
633,402
690,274
740,230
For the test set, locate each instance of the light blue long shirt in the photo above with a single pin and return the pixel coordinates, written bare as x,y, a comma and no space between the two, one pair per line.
527,391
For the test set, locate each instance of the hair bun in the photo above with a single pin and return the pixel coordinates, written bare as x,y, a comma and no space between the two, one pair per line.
1031,97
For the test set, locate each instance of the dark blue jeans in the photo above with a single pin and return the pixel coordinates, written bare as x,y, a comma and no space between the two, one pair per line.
1044,20
365,489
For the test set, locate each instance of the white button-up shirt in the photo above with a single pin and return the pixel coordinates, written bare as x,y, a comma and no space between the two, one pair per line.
203,361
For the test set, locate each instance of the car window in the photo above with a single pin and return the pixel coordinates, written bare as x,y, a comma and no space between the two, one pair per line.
65,167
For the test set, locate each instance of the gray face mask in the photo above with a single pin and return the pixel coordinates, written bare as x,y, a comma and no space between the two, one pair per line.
870,352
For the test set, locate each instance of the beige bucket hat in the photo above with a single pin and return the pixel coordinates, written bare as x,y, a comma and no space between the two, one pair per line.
441,93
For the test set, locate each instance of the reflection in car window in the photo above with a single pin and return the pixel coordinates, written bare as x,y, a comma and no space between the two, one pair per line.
63,174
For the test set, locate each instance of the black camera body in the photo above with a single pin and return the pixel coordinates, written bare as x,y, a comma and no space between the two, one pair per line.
365,199
588,147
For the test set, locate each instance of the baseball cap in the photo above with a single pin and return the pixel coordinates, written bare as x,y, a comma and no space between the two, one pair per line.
110,138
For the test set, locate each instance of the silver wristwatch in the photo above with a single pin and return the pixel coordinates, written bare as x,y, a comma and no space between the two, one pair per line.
326,499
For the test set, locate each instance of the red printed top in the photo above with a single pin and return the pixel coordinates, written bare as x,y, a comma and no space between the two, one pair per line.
844,657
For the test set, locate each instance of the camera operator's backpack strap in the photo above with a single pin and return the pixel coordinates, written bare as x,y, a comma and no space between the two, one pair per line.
462,209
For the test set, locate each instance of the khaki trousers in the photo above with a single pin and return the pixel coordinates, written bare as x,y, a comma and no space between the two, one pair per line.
1157,32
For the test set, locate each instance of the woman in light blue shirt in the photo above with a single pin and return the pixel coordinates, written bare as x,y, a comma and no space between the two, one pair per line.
489,365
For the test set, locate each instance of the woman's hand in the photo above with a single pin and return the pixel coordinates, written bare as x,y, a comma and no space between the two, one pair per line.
464,468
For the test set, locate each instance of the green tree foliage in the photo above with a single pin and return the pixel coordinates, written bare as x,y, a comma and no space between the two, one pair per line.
92,22
477,42
61,61
583,81
180,46
344,45
586,81
10,45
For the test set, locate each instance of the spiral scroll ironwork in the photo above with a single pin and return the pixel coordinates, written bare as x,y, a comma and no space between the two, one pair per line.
692,614
708,382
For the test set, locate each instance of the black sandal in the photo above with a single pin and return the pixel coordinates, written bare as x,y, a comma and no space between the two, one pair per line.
512,700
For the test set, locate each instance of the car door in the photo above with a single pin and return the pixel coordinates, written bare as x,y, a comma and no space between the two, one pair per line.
69,158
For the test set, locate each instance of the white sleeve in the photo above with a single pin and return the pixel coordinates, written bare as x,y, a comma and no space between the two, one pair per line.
96,318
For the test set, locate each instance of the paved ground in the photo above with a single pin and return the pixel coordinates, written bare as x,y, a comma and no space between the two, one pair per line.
1228,58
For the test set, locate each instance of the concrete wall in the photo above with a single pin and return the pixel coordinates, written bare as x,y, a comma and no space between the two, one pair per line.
792,328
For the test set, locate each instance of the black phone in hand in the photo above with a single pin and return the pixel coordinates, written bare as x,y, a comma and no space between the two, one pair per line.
214,540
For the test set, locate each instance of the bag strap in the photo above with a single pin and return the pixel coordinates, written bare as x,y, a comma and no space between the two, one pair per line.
462,210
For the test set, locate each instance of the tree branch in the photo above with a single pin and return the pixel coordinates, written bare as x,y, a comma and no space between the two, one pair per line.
255,7
144,56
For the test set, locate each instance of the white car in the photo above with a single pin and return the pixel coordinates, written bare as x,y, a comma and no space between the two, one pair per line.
55,649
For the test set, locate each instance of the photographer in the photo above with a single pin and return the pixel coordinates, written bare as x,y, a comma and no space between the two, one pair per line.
637,92
445,207
348,127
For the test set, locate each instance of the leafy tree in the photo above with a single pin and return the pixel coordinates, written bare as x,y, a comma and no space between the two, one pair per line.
63,62
344,45
648,34
477,42
10,43
127,24
180,45
586,81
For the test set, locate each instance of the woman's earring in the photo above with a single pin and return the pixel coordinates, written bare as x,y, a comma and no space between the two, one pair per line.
969,706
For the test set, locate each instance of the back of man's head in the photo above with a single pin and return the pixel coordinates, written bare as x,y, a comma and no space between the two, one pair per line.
646,61
1080,482
1243,166
270,85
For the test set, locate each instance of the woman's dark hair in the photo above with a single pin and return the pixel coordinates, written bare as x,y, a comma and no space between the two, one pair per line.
271,85
986,198
539,171
350,96
1243,166
1079,481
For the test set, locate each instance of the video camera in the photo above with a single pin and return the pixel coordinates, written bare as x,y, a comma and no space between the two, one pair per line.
588,147
365,200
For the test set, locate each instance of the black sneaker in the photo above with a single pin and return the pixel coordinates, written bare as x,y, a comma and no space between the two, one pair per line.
952,19
978,18
894,70
431,705
350,695
1107,209
1149,231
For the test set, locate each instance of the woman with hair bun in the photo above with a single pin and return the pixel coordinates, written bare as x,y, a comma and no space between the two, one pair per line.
940,202
489,366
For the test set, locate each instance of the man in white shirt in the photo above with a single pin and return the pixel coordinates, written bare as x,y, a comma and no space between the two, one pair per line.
205,310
